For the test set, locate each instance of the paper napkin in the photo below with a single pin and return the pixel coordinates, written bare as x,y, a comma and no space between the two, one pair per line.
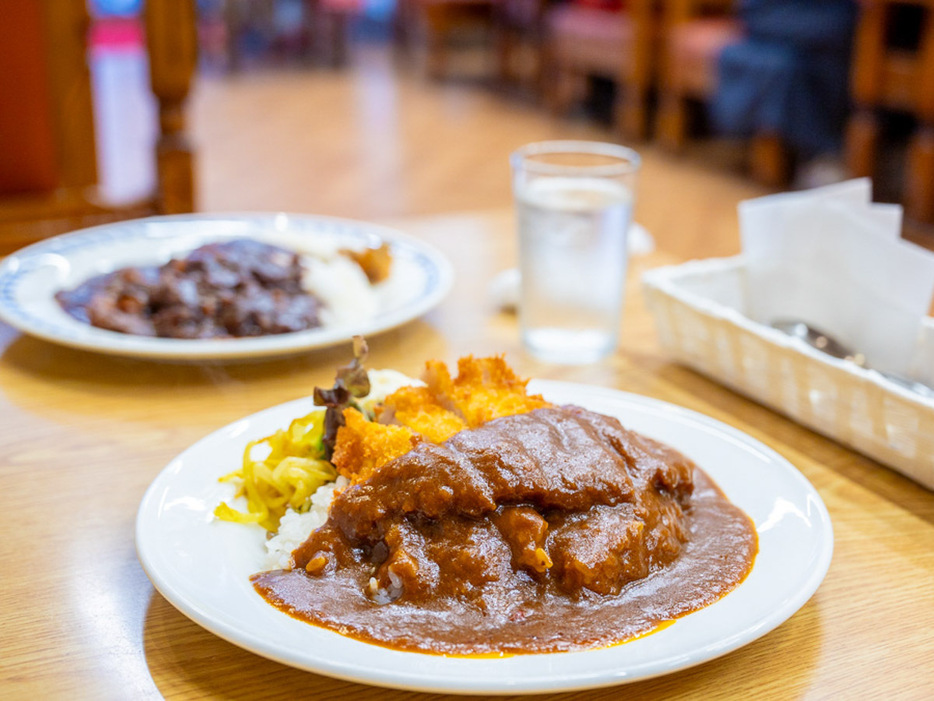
833,259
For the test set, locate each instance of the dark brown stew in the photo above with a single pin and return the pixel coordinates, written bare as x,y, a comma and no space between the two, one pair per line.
547,531
236,288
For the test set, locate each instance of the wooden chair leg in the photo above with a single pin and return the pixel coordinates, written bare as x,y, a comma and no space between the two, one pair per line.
562,88
671,128
632,113
338,38
770,162
171,40
504,50
437,56
862,139
538,70
436,26
919,181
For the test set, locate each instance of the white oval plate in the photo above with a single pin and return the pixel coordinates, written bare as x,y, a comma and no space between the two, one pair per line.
202,566
29,279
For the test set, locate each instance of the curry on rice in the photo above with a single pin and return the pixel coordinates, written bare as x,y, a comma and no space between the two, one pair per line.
479,519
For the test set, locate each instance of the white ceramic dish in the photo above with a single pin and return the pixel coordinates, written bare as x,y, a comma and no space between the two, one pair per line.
202,566
29,279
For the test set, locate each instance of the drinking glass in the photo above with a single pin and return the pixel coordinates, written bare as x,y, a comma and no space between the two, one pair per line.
574,202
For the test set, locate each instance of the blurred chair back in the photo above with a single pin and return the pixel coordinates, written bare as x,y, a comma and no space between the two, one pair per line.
48,155
438,22
518,35
606,39
695,32
893,69
46,120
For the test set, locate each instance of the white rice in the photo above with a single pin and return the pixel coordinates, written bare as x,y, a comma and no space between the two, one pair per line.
346,294
382,384
295,527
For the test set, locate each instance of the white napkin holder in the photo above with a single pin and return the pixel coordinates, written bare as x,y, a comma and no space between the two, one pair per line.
700,310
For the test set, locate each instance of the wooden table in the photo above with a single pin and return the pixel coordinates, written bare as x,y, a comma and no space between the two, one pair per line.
83,435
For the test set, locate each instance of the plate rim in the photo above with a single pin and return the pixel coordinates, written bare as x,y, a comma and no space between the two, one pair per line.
412,680
126,345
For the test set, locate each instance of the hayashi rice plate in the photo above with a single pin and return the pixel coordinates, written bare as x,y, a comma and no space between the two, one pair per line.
235,288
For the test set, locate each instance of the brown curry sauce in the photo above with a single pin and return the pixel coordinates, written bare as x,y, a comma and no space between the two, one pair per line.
549,531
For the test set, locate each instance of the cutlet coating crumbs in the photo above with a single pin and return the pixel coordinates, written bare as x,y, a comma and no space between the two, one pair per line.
484,389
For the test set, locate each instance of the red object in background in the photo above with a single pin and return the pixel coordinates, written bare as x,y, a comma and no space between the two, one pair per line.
117,33
28,160
351,7
609,5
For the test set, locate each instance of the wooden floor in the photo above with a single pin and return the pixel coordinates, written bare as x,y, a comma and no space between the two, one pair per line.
379,140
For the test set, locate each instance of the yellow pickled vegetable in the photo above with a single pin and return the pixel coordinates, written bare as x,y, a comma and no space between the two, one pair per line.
293,467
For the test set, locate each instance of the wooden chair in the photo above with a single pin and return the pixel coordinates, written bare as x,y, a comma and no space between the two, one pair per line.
889,75
519,33
48,159
438,22
619,45
331,29
694,34
322,36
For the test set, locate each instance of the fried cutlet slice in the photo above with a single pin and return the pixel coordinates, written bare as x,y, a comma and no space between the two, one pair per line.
363,446
376,262
484,389
420,410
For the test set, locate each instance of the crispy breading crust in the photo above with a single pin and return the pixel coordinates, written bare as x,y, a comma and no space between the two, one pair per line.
484,389
419,409
362,446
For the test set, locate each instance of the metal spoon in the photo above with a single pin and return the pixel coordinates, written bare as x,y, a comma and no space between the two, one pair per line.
828,344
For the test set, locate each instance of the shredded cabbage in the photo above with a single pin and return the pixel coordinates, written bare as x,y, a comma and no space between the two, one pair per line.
293,468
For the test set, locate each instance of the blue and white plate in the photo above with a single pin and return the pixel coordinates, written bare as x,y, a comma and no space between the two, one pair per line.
30,278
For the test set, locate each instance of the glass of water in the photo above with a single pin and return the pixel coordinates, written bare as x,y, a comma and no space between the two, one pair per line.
574,202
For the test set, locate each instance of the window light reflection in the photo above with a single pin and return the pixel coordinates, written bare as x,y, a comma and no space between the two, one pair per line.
782,508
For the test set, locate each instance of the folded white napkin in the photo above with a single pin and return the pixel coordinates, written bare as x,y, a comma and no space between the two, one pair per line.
833,259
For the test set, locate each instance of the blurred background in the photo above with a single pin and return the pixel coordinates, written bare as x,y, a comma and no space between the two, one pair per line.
378,109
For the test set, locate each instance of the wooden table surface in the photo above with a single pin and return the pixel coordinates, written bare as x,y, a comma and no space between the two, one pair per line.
83,435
